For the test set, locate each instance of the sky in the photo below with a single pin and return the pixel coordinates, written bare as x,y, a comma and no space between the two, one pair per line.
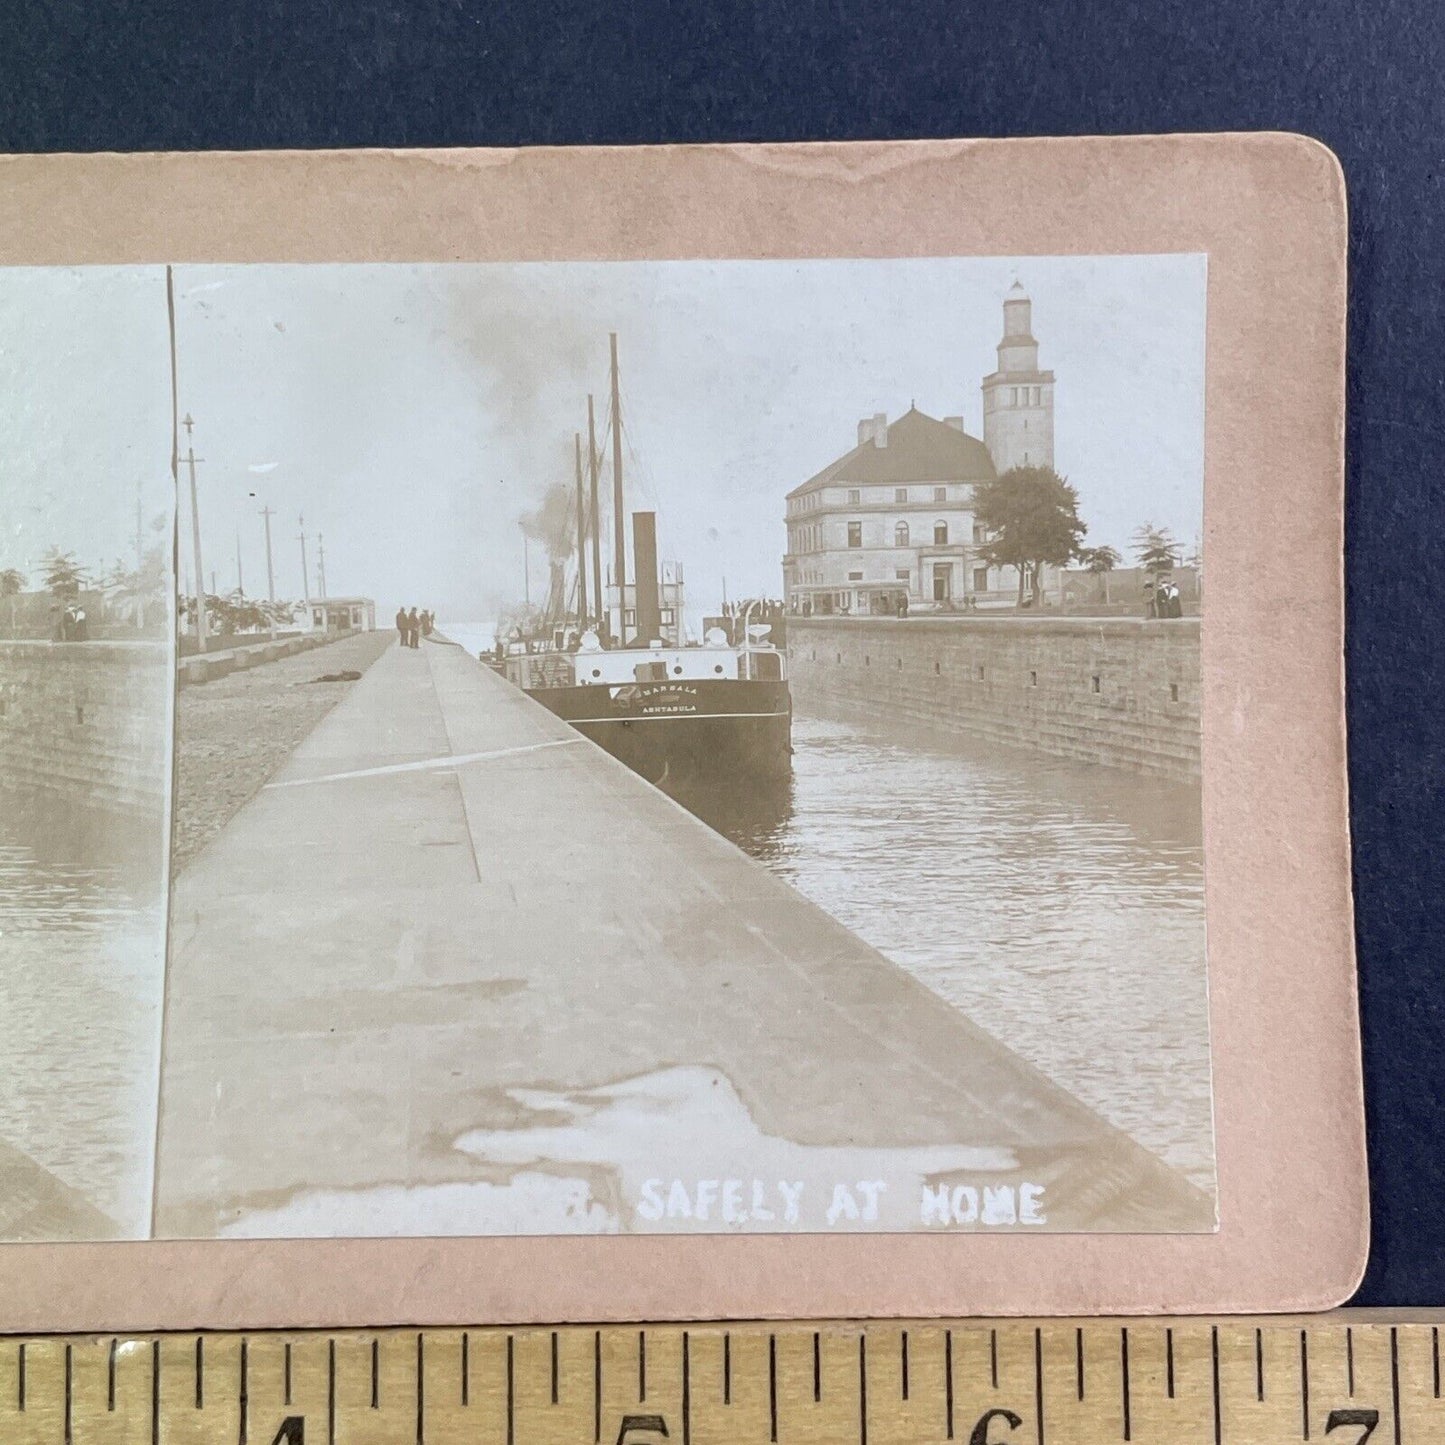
414,416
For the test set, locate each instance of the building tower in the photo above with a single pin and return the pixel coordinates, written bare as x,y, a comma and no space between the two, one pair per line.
1018,398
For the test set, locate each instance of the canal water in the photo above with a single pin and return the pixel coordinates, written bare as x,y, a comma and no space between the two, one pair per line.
81,966
1059,904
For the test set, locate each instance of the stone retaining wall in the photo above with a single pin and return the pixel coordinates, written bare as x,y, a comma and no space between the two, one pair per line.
220,662
87,722
1123,692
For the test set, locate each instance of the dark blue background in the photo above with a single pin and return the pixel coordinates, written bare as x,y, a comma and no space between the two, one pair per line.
1365,76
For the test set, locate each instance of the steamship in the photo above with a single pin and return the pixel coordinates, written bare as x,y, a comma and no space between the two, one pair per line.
624,675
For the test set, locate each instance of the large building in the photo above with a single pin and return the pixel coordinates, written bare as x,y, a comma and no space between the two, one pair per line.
893,517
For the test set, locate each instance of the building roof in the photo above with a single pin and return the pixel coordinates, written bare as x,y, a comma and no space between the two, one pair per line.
920,449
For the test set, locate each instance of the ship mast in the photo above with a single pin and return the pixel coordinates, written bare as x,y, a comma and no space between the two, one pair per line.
581,544
592,464
619,525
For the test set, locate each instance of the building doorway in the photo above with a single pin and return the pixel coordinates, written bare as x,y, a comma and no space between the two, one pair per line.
942,581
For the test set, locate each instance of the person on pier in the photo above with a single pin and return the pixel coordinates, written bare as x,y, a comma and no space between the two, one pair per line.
401,625
413,628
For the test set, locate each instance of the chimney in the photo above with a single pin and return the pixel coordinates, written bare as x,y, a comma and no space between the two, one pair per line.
956,422
644,566
874,429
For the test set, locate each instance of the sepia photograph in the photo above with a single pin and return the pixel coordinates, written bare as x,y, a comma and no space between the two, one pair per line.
86,682
657,746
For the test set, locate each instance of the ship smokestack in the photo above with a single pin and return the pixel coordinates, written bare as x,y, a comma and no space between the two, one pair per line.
644,565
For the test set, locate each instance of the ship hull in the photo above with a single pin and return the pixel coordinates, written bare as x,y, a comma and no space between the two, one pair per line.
681,730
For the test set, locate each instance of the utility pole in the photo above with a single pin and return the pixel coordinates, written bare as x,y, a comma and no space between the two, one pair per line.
305,578
203,625
526,570
581,543
240,580
267,514
619,536
592,466
140,550
321,565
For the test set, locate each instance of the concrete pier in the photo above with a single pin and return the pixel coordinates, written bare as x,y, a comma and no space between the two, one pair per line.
453,958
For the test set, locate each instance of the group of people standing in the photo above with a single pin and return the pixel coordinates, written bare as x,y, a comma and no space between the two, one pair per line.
413,626
1161,599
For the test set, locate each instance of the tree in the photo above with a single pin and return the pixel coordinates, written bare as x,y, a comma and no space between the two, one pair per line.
132,593
63,575
1156,550
1032,517
1100,561
12,584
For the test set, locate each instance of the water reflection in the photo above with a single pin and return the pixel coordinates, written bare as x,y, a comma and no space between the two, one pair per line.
1061,905
81,959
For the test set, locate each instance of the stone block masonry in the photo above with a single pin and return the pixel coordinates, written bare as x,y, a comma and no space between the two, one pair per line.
1122,692
86,723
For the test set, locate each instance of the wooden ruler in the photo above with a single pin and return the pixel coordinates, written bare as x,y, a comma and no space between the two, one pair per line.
1339,1379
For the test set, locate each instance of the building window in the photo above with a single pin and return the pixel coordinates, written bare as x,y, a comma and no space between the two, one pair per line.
980,579
855,496
629,618
855,576
855,534
980,532
900,494
903,575
1015,397
940,494
666,617
940,534
900,534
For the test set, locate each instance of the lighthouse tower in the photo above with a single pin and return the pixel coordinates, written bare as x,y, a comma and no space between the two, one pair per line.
1018,398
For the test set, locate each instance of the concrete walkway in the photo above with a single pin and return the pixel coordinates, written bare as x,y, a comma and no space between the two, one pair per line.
453,955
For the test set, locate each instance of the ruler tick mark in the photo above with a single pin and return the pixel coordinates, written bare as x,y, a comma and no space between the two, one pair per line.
1039,1382
467,1370
375,1375
1259,1365
727,1368
641,1365
67,1396
20,1377
1124,1372
948,1381
1214,1366
993,1357
110,1376
155,1392
331,1392
1435,1356
1079,1359
554,1367
420,1387
862,1390
511,1395
244,1393
1304,1380
686,1388
817,1368
1169,1363
1350,1361
286,1372
772,1387
200,1371
903,1366
596,1386
1395,1381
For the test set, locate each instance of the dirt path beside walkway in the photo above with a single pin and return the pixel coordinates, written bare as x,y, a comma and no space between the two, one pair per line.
233,733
